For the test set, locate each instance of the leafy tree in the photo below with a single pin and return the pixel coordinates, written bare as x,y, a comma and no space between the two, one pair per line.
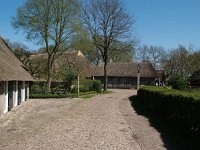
178,62
48,22
83,42
37,66
194,61
106,21
68,76
118,52
121,52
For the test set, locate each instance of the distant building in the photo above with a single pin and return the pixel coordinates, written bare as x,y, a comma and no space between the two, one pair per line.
124,75
65,60
14,79
161,76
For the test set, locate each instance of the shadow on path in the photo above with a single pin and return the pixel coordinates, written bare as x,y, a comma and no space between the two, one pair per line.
173,136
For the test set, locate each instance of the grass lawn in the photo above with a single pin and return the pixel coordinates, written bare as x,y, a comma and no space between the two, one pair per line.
86,95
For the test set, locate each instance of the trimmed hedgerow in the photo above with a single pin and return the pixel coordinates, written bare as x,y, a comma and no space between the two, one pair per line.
179,106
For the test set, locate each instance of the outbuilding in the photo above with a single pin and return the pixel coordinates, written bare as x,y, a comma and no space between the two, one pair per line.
14,79
124,75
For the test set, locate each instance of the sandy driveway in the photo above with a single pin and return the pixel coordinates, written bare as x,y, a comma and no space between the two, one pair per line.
61,124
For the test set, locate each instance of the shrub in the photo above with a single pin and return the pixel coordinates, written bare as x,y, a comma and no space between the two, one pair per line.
59,89
181,106
195,78
35,89
95,85
82,88
178,82
89,85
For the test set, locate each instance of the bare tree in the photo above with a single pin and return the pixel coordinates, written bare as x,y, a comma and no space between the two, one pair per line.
106,21
20,50
142,53
156,55
49,22
153,54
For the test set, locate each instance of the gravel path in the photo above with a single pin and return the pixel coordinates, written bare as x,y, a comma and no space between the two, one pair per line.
60,124
146,135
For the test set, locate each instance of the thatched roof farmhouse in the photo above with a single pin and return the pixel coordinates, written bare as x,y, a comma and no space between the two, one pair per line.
73,59
14,79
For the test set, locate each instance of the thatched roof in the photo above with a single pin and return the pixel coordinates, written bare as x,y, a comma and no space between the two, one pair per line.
74,58
64,60
161,73
11,69
125,70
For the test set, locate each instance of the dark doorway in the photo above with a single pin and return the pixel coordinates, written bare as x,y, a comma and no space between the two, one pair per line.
19,92
26,90
10,95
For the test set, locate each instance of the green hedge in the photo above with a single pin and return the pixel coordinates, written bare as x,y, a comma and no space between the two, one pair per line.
88,85
95,85
179,106
48,95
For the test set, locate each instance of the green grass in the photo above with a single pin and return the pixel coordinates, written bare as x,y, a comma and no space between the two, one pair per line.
87,95
84,95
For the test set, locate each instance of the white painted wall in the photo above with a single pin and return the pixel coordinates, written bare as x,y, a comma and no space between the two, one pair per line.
6,98
16,93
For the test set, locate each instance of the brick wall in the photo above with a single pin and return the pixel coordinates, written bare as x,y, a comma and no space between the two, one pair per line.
2,97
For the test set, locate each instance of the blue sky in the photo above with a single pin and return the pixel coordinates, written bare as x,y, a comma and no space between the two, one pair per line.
164,23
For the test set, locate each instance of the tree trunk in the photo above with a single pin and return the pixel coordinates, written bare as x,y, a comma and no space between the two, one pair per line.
49,75
105,77
49,83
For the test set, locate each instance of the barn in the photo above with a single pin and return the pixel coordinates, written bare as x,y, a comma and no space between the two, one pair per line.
124,75
14,79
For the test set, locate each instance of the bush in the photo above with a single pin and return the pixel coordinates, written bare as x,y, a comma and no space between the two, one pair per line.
59,89
179,106
38,88
35,89
195,78
178,83
95,85
82,88
89,85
